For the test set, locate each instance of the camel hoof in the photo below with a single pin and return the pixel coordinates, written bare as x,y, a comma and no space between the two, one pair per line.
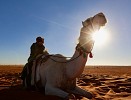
70,97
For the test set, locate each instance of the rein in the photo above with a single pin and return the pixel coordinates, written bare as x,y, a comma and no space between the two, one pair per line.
78,48
65,57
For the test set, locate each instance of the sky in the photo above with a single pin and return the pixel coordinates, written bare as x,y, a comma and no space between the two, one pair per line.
59,22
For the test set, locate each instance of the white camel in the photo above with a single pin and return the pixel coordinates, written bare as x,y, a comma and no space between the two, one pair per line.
58,75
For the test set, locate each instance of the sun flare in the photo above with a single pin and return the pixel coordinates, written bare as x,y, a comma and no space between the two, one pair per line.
101,37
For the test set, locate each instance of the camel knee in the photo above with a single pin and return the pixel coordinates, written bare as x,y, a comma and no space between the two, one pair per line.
82,92
50,90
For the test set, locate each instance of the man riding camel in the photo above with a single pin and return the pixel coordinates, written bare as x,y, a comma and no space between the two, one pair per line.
36,49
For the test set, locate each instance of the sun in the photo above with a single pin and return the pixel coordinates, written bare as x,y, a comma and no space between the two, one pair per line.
101,37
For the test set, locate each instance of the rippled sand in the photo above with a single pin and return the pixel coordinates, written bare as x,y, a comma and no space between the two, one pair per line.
105,82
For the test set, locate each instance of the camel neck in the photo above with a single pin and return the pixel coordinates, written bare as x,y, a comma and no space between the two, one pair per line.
76,67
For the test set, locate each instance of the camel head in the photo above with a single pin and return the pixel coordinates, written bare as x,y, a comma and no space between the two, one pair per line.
91,25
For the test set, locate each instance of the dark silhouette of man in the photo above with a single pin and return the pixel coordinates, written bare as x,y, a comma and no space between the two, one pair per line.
36,49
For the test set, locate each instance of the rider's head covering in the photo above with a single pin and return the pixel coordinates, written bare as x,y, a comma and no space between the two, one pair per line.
40,39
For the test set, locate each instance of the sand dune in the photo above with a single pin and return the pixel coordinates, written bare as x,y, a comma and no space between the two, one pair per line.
105,82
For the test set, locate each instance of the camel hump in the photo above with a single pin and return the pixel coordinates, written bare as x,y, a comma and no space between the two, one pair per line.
58,58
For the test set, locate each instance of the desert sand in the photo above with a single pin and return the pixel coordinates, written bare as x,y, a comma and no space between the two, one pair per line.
105,82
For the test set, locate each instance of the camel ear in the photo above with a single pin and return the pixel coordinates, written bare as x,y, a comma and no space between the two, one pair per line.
82,23
86,22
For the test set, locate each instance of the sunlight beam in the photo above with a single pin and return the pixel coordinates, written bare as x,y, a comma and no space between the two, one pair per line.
101,37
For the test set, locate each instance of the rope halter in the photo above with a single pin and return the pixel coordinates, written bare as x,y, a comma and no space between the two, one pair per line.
83,51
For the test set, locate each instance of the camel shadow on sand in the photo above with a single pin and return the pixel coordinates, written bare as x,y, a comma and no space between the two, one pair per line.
18,93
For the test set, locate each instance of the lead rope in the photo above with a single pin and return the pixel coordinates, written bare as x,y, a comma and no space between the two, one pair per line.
65,61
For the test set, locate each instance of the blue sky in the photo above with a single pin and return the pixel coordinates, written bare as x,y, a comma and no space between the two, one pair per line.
59,22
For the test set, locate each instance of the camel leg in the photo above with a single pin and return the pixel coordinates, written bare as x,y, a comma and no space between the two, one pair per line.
51,90
81,92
